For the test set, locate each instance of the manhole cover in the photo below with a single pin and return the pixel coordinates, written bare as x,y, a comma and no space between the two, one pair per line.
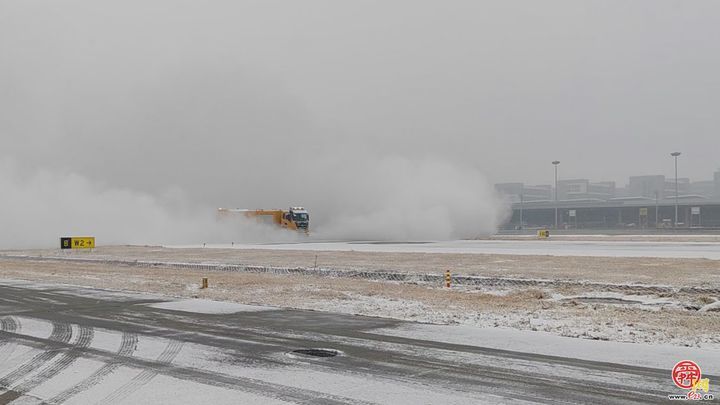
317,352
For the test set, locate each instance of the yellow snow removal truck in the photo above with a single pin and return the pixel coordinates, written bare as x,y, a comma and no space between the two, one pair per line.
296,218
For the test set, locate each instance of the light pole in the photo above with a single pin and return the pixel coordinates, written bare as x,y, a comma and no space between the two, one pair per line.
521,208
556,163
675,155
657,208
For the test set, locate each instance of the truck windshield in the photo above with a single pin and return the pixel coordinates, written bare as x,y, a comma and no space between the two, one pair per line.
300,217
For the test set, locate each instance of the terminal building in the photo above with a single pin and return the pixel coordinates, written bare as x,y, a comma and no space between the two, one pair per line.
647,202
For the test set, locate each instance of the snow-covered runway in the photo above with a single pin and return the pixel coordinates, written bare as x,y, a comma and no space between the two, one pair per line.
73,345
670,249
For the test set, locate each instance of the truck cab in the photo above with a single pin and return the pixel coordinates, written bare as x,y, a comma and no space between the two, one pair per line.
296,218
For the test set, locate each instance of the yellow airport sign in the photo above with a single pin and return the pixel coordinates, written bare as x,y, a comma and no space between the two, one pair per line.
77,242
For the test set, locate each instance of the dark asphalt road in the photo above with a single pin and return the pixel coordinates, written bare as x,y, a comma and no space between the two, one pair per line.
55,348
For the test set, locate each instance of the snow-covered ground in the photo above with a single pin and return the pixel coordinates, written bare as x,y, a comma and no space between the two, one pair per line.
597,248
167,369
654,356
592,321
606,298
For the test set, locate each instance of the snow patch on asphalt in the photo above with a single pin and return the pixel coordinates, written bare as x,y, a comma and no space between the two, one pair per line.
35,327
20,355
201,306
109,384
81,369
168,390
655,356
150,348
106,340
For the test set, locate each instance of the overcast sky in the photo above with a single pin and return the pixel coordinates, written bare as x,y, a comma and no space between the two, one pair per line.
410,109
607,87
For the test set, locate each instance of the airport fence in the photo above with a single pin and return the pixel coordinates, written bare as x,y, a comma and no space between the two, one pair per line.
470,281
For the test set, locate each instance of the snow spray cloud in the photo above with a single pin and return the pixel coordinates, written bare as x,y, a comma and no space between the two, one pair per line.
389,199
394,199
135,140
40,207
397,198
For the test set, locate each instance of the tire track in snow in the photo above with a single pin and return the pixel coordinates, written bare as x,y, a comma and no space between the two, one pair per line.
7,345
258,387
85,337
166,357
127,348
61,332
